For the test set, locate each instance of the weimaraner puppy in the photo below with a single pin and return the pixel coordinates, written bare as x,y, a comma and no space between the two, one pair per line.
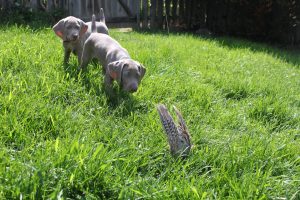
115,60
74,32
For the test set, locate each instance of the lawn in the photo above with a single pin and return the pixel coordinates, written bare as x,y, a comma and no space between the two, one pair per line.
61,137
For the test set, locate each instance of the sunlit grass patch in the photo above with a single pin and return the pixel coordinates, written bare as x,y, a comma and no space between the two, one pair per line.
62,137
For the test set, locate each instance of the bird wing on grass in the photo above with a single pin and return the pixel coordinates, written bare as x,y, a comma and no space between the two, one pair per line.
178,136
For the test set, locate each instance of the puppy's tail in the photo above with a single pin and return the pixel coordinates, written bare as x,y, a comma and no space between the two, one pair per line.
94,28
102,17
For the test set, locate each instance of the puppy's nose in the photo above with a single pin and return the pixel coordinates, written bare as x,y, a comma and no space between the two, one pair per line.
133,88
75,36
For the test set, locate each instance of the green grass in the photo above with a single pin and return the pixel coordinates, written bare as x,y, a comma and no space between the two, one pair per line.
61,137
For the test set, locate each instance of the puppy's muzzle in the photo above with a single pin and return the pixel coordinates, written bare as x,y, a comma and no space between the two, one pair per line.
133,88
75,37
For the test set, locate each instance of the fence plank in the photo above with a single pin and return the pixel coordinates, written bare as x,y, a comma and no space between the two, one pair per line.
60,4
160,13
174,10
126,8
50,5
34,4
202,13
181,9
188,12
167,5
6,4
153,14
138,14
145,14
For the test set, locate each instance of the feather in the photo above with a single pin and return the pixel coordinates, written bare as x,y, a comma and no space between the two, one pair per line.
178,136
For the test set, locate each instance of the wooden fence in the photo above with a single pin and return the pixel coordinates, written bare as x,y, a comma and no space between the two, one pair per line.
277,20
166,13
154,14
115,10
273,20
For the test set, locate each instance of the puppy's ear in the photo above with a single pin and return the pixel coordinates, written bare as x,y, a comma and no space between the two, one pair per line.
114,70
58,28
83,28
142,70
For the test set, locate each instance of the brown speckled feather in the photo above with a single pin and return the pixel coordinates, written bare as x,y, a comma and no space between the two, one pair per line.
178,136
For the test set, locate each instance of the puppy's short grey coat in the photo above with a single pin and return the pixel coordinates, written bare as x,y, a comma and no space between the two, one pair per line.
74,32
116,62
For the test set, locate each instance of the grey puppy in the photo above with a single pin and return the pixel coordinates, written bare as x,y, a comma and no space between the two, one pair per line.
116,62
74,32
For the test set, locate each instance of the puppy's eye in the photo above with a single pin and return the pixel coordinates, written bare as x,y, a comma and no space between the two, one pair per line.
126,73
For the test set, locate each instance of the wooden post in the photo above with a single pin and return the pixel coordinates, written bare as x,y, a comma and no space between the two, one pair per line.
202,16
138,13
196,12
87,7
50,5
145,14
84,10
6,4
181,13
174,10
75,8
34,4
189,13
168,15
93,7
297,37
126,8
96,6
181,9
168,5
160,13
153,24
61,4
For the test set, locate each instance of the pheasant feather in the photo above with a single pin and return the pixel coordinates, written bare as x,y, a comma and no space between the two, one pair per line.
178,136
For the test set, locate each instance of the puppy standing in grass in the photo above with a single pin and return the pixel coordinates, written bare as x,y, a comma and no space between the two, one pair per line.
115,60
74,32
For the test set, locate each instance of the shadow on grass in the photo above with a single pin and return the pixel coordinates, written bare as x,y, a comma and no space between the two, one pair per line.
285,52
117,99
82,75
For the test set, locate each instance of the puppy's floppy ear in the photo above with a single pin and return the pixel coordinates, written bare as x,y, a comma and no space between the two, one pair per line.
142,70
114,70
83,28
58,28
